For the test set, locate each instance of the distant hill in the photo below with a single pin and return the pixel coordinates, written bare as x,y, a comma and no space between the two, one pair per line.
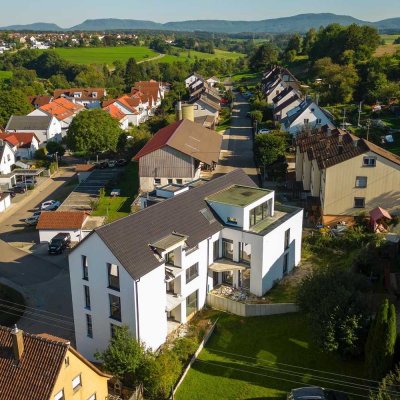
38,26
298,23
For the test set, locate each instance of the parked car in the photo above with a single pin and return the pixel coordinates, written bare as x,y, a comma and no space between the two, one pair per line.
50,205
315,393
263,130
121,162
112,163
30,181
32,221
59,243
19,189
247,95
11,193
102,164
36,214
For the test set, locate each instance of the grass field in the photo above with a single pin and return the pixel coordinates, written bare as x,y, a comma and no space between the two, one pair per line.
389,39
387,49
106,55
117,207
255,358
5,75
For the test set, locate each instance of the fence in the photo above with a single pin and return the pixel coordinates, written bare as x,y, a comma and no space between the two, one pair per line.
193,359
249,310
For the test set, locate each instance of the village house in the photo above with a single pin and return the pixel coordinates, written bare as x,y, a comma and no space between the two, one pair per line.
87,97
62,109
45,367
132,107
116,113
306,116
24,144
5,201
346,174
39,101
7,157
153,269
285,101
176,154
153,90
44,127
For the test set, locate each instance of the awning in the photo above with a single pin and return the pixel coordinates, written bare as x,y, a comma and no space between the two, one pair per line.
226,265
173,301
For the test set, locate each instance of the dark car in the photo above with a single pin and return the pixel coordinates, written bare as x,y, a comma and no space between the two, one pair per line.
121,162
315,393
59,243
11,193
19,189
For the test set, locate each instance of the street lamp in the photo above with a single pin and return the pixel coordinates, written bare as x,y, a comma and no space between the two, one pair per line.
56,154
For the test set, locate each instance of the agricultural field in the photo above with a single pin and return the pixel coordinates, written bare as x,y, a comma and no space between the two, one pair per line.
107,55
389,47
264,358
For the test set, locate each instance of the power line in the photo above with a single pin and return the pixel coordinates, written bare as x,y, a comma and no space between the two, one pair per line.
33,308
268,376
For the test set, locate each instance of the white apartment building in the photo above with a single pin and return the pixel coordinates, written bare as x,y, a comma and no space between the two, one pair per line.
152,270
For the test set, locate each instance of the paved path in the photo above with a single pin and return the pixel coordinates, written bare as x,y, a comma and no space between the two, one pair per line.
237,144
42,279
151,59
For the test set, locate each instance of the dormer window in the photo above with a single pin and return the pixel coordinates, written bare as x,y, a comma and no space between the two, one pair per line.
94,95
78,95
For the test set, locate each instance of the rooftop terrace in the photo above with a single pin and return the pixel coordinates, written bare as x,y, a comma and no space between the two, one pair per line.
239,196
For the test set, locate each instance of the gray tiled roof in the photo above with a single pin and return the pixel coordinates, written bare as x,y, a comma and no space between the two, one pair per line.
31,122
129,238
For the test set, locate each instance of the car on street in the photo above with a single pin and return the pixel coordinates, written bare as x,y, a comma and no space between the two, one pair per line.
263,130
112,163
121,162
59,243
50,205
247,95
315,393
11,193
19,189
36,214
33,220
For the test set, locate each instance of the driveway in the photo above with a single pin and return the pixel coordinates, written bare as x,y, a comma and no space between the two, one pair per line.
42,279
237,144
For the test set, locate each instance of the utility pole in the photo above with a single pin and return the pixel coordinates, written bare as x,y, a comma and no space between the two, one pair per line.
344,119
368,126
359,114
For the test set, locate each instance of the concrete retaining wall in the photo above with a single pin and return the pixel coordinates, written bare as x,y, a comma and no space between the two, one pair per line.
249,310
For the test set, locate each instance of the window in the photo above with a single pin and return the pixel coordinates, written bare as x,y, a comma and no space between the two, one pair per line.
361,181
191,304
66,361
8,157
227,277
192,272
169,258
179,181
59,395
216,250
287,239
113,276
92,397
306,121
170,181
285,263
94,94
157,181
115,307
369,161
244,253
85,272
319,121
259,213
86,291
76,382
227,249
359,202
89,326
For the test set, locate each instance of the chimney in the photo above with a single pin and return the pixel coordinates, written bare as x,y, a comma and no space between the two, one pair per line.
18,343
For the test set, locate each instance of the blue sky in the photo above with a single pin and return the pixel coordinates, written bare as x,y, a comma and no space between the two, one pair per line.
72,12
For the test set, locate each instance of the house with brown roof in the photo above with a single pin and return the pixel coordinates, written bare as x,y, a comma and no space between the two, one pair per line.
44,367
346,174
176,154
24,144
153,90
53,222
39,101
131,106
116,113
87,97
62,109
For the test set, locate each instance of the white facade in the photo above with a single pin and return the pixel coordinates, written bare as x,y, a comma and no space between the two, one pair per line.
7,159
28,152
164,294
202,109
282,113
276,88
311,117
5,202
45,235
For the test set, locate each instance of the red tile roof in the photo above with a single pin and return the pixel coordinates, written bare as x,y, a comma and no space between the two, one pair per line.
61,220
62,108
39,101
114,111
20,139
34,376
86,93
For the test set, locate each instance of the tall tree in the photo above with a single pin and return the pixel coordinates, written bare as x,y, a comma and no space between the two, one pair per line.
132,72
389,388
13,102
380,346
93,131
265,55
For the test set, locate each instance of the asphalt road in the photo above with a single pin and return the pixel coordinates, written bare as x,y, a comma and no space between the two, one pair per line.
237,145
42,279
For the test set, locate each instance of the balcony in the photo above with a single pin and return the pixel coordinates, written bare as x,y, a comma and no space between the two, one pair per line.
224,265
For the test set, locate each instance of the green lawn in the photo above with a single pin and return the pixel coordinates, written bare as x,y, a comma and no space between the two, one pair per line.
12,306
5,75
246,76
105,55
246,357
389,39
117,207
